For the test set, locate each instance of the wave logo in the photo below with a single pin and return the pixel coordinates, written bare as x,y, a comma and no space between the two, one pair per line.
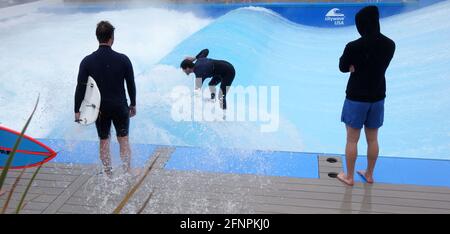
334,13
335,16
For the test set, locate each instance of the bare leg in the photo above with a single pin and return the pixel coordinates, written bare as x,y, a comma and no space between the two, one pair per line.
2,192
105,156
222,96
372,153
125,153
351,152
212,86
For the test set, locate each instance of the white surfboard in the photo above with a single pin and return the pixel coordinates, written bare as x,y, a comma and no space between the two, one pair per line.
90,107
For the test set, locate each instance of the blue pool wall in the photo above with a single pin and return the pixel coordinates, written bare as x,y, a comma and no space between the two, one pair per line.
310,14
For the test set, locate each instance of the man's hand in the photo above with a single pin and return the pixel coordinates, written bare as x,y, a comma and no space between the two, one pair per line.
352,68
132,111
77,117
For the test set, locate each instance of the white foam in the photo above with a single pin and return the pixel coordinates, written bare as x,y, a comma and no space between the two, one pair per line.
44,51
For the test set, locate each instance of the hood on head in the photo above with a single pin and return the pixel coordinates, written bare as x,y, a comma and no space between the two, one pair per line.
368,21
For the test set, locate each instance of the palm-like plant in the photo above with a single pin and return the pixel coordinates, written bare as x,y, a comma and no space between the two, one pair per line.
8,164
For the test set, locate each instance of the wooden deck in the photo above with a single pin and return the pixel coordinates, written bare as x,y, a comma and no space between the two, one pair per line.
63,188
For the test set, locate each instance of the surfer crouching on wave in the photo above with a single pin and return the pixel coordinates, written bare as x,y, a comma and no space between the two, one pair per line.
221,72
110,70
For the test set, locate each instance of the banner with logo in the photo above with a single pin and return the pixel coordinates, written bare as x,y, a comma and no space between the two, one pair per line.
327,15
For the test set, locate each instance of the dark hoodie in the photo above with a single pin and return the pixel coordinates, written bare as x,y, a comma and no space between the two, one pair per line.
370,55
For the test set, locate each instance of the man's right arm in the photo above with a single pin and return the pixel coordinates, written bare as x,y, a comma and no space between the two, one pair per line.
81,85
345,62
131,86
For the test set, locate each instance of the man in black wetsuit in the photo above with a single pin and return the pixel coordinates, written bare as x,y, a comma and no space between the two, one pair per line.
221,72
110,70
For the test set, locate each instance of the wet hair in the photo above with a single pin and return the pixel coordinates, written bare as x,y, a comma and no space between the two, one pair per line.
187,64
104,31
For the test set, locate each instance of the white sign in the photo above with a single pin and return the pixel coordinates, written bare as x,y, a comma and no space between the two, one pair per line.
335,16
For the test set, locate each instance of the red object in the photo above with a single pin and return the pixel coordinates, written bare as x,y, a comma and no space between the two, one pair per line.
49,154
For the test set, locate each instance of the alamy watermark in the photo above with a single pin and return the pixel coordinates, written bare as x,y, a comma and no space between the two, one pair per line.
259,104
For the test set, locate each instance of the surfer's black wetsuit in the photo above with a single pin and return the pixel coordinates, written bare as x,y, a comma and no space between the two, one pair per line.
221,72
110,70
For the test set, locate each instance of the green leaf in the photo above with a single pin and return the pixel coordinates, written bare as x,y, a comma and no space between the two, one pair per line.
135,187
19,207
11,192
145,203
16,146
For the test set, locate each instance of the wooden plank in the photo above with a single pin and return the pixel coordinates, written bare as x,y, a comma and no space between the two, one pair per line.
28,205
66,194
47,177
391,208
320,198
170,208
38,190
231,188
250,200
252,193
303,181
395,201
40,183
75,209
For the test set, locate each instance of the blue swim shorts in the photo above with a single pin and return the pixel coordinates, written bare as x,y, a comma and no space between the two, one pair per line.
356,114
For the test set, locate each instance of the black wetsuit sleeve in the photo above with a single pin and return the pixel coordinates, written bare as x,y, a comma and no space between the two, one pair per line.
203,54
345,61
131,86
81,85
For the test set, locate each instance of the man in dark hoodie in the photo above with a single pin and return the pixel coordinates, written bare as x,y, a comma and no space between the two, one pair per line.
221,72
367,59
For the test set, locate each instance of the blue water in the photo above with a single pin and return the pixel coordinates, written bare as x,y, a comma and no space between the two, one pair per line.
265,48
241,162
394,170
86,152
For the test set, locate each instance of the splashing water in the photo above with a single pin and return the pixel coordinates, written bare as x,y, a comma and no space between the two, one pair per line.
41,53
303,62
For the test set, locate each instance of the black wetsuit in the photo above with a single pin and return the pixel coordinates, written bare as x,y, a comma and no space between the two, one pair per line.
110,70
370,55
221,72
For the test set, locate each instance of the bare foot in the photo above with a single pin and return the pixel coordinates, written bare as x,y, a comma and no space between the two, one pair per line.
367,178
107,172
343,178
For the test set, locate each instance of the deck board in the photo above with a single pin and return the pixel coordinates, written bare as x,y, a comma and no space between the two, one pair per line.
64,188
